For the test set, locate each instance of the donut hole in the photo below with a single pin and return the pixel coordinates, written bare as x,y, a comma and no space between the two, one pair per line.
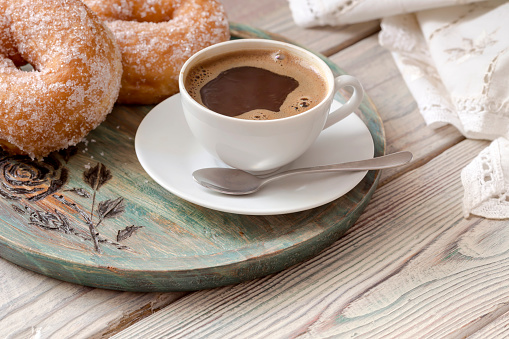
18,60
23,64
27,68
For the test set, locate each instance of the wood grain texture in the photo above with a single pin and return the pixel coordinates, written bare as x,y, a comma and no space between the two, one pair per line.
494,325
35,306
411,267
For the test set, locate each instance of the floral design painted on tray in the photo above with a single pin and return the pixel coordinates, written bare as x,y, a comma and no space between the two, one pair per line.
26,182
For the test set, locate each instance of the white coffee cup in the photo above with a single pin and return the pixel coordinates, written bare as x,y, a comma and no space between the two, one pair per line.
264,146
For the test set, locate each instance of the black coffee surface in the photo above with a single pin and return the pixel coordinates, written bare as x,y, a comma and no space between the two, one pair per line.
243,89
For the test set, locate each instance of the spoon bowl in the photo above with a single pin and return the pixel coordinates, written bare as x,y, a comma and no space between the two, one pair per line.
237,182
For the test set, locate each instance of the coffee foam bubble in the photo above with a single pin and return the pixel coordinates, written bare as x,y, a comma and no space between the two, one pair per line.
258,114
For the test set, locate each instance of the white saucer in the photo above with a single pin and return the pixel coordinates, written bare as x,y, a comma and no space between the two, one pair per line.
170,154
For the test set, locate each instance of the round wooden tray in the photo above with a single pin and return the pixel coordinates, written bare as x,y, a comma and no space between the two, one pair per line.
147,239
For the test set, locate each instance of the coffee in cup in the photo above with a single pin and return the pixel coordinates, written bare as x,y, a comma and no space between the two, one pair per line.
262,84
266,145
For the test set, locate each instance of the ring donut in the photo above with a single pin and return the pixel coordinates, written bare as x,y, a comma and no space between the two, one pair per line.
156,37
75,79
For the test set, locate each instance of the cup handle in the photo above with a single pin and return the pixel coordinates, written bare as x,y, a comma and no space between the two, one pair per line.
352,103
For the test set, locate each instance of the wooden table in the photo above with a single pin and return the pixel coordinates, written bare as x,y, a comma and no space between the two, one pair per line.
412,266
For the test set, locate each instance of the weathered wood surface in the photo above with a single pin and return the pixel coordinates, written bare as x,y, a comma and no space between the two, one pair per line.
410,267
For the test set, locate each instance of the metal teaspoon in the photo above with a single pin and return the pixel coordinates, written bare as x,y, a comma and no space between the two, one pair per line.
237,182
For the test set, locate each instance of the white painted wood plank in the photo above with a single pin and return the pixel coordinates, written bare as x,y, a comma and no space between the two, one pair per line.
35,306
411,267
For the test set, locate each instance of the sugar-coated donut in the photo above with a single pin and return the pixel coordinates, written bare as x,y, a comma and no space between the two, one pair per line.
75,81
156,37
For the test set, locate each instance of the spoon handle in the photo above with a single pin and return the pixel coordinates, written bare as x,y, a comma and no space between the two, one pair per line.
385,161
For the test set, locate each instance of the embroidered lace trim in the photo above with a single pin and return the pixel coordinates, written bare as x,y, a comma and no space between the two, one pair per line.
486,182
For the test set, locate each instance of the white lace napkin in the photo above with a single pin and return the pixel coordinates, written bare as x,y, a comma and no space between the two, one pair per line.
455,61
